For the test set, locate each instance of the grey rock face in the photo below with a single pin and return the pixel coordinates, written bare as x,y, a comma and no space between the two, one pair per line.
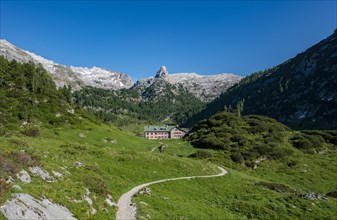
24,176
63,75
162,73
206,88
37,171
24,206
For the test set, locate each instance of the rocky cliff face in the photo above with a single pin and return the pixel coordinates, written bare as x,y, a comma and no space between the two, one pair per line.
206,88
63,75
301,92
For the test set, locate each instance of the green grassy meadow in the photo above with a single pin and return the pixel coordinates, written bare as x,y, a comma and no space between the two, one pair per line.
114,162
272,191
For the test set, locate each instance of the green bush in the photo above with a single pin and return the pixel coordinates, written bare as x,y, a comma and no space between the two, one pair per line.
332,194
237,157
31,132
305,142
279,153
96,185
292,163
278,187
201,154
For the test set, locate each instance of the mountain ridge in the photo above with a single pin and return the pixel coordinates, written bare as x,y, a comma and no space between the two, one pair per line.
204,87
77,77
300,92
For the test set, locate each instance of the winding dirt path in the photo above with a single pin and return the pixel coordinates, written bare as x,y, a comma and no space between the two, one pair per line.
127,210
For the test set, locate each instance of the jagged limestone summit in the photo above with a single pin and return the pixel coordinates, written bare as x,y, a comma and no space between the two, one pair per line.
204,87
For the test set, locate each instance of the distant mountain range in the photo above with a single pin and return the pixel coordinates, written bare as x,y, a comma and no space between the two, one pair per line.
205,88
301,92
77,77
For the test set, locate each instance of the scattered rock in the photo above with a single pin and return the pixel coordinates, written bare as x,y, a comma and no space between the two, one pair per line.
162,148
37,171
16,187
143,203
145,191
86,198
81,135
24,206
57,174
89,201
23,123
10,180
313,196
24,176
108,198
65,171
259,160
78,164
71,111
77,201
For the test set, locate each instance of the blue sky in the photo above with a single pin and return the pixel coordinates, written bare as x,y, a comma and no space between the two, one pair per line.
137,37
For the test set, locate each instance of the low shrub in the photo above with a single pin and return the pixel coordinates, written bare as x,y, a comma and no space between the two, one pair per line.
279,153
278,187
332,194
8,165
305,141
31,132
4,187
201,154
292,163
24,159
96,185
237,157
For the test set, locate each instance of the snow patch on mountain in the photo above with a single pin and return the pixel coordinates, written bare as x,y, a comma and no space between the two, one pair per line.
64,75
204,87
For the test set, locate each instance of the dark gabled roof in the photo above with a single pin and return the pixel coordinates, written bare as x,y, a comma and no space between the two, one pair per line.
158,128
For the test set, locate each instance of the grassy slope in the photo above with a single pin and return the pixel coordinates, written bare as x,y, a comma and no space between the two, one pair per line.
109,167
127,163
238,196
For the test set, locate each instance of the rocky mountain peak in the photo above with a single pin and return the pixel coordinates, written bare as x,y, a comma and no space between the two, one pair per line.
203,87
77,77
162,72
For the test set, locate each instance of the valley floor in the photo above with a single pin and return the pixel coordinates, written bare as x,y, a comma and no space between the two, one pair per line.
99,163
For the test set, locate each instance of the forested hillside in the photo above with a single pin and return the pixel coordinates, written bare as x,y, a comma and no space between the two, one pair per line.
300,92
29,98
120,107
